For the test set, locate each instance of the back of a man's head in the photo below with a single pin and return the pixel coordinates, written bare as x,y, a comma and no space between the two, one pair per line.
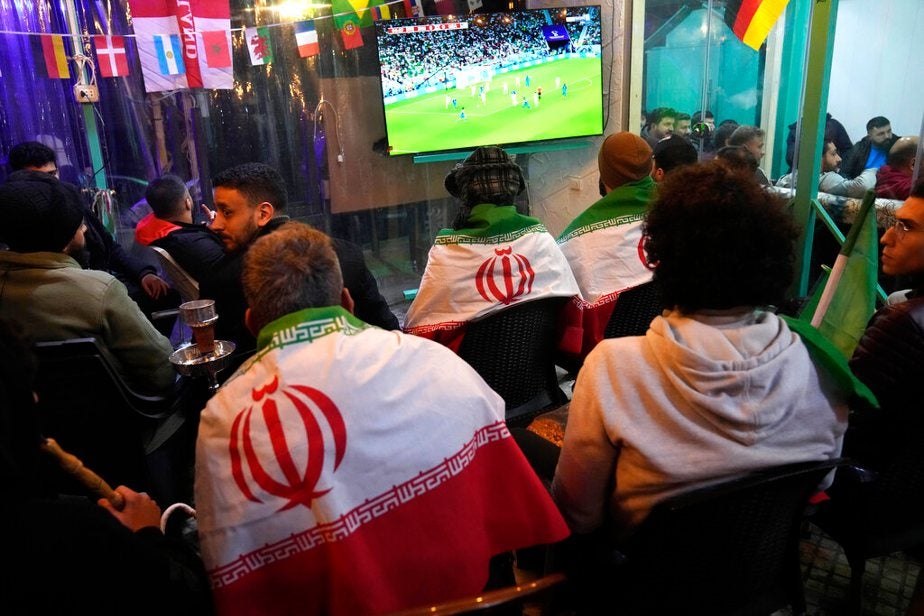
487,175
673,152
258,182
722,132
624,157
719,240
744,133
903,153
737,158
166,195
30,155
38,213
291,269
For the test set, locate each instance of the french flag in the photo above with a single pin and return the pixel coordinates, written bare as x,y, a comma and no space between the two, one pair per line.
306,37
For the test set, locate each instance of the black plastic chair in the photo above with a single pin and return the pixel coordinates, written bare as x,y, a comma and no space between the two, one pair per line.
726,549
873,514
508,600
514,352
634,311
125,437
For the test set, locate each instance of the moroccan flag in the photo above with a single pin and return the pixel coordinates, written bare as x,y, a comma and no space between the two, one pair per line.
306,37
153,18
55,56
752,20
169,54
841,308
349,22
259,46
111,57
217,46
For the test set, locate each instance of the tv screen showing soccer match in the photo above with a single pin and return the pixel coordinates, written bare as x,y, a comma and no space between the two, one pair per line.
451,83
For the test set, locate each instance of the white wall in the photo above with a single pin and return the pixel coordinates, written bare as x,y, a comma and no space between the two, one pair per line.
878,67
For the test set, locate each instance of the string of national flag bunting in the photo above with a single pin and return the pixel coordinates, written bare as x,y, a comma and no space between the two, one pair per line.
183,47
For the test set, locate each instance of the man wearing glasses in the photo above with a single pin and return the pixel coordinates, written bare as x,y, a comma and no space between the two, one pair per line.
890,356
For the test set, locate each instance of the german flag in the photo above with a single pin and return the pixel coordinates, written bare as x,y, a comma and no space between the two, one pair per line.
55,56
752,20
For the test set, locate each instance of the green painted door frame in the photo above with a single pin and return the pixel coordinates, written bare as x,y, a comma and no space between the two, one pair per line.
810,133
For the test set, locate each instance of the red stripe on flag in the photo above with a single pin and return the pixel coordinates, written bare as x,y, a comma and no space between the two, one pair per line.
55,57
408,12
430,548
745,13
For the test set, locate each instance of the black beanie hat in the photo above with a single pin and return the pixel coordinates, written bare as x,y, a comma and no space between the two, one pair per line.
39,213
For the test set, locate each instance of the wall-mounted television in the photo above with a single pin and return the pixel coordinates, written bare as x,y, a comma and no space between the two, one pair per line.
458,82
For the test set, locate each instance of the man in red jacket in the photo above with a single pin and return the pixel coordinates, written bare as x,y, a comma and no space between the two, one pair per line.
894,178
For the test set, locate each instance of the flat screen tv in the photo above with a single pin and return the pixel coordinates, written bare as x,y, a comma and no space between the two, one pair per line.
455,83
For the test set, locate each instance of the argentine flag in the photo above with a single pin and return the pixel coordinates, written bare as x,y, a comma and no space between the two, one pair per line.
169,54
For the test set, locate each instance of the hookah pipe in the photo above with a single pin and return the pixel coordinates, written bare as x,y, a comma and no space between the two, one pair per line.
72,465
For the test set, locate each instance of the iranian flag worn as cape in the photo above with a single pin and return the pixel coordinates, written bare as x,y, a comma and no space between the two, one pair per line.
348,470
500,258
604,247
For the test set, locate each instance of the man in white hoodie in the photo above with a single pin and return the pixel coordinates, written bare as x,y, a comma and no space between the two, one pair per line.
719,386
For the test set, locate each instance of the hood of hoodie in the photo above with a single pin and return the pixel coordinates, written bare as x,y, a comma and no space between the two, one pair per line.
742,370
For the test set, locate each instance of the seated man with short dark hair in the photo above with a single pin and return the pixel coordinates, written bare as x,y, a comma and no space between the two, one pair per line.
102,252
719,386
45,290
250,202
170,226
346,469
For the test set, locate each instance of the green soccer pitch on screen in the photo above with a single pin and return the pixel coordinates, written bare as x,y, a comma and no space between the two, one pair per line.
451,83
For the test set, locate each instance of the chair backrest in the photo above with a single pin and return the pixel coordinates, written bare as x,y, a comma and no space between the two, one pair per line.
881,513
634,311
731,548
186,285
514,352
89,410
539,593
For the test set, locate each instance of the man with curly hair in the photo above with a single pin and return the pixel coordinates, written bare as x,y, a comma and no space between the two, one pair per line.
719,386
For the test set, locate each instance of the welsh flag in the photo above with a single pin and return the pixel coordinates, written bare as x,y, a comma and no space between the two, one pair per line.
324,490
259,45
155,19
470,275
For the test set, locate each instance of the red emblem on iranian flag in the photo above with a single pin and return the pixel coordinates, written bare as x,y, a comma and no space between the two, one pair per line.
288,417
505,277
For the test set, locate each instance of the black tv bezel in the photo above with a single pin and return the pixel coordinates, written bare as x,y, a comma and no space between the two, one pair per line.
522,145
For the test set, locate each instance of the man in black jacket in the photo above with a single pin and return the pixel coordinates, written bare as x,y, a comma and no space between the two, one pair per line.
890,356
250,201
196,248
871,151
103,253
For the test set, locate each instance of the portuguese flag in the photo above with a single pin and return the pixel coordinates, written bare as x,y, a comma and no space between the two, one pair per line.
349,16
752,20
